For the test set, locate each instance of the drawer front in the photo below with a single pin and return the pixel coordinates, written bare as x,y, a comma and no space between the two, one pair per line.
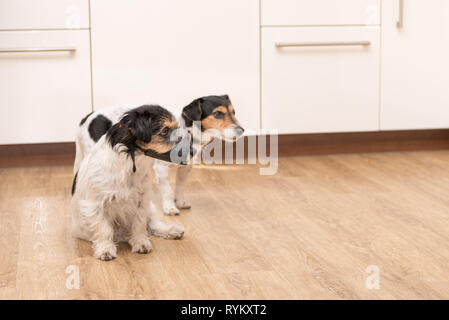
320,12
44,14
324,88
44,94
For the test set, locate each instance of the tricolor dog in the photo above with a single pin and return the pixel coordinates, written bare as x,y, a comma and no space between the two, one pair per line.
216,114
111,192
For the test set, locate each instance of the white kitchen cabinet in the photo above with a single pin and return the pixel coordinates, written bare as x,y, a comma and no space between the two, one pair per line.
320,12
324,87
173,51
44,14
415,65
43,94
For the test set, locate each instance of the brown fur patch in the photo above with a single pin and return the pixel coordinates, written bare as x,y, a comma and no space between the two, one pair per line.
171,123
211,122
221,108
157,144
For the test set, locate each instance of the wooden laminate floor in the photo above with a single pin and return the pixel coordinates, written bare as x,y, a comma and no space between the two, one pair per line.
308,232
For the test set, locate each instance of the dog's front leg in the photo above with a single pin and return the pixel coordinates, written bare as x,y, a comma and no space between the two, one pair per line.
182,175
161,171
138,240
103,237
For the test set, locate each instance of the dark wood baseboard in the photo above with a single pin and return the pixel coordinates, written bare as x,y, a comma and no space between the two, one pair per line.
363,142
57,154
37,155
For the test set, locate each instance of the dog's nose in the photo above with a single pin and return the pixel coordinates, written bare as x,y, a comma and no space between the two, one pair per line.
239,130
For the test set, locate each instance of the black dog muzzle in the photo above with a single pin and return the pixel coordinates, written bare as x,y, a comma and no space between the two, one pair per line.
179,154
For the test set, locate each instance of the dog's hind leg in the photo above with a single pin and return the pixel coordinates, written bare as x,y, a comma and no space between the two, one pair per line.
160,229
168,231
182,175
161,171
89,223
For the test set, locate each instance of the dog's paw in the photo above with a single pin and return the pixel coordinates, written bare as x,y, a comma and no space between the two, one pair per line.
170,209
105,251
171,231
183,204
142,246
175,232
107,256
143,249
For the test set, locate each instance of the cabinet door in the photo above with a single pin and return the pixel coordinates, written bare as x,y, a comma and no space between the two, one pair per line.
43,94
173,51
329,86
415,65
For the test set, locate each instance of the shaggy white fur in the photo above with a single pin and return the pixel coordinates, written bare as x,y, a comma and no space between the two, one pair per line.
111,202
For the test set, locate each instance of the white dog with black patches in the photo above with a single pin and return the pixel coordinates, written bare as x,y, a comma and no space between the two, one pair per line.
216,115
111,192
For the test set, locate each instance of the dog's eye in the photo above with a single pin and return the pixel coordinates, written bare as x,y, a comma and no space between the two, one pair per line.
164,131
218,114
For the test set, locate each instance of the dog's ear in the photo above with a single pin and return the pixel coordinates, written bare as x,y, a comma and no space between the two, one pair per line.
194,110
139,127
226,97
133,126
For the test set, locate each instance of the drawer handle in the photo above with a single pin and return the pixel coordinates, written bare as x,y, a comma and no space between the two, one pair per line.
322,44
400,22
8,50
